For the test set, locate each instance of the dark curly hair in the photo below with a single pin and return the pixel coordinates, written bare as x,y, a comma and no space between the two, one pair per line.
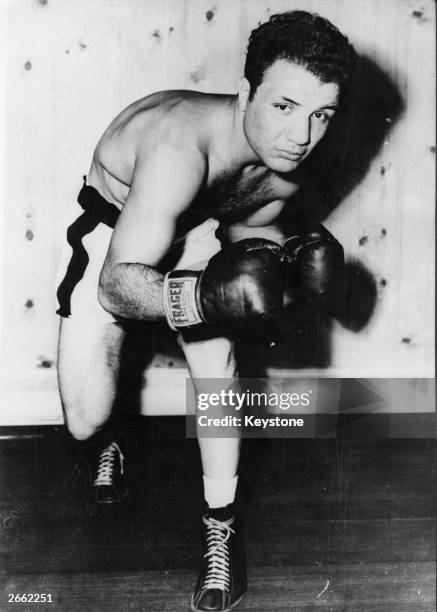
305,39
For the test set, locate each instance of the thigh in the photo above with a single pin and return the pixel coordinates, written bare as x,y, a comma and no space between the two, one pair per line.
198,246
88,365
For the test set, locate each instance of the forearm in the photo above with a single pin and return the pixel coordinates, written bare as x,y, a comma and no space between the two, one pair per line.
132,291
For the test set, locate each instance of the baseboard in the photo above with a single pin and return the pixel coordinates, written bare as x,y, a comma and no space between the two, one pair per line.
32,398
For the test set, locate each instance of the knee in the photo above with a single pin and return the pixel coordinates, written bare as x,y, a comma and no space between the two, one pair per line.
81,430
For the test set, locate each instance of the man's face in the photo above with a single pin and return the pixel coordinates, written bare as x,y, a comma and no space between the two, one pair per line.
288,115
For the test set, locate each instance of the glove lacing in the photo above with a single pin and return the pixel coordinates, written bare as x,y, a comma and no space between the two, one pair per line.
217,536
106,464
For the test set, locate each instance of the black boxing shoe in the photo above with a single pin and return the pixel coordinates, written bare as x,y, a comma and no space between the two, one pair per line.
222,580
110,483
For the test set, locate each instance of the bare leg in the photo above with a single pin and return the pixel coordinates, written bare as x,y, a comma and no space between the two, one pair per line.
88,367
218,589
214,358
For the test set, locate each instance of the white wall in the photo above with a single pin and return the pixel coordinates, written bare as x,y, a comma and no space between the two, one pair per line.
69,67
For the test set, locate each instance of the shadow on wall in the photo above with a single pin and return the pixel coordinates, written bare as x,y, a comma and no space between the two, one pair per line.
371,108
304,337
145,345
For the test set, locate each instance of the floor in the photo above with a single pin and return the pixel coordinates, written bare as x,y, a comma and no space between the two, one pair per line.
332,525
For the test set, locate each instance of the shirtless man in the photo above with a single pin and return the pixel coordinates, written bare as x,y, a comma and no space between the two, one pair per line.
169,172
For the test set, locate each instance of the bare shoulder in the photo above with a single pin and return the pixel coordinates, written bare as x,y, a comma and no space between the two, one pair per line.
168,169
183,119
150,128
172,152
172,110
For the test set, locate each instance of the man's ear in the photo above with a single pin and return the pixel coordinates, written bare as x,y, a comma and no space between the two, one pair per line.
243,93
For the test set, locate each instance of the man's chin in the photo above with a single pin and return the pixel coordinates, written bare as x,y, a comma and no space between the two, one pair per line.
283,165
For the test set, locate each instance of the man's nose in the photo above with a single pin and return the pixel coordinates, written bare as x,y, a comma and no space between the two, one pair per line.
299,132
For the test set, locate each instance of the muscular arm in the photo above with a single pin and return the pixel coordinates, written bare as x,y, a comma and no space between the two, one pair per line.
163,186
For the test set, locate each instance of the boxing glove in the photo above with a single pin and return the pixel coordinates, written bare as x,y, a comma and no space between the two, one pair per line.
316,261
241,287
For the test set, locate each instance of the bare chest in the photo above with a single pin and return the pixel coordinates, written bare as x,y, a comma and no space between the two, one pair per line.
235,197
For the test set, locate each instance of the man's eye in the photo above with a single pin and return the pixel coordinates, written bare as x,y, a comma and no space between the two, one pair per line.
283,108
321,116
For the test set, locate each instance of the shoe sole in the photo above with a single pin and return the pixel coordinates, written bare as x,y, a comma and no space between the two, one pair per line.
113,501
194,609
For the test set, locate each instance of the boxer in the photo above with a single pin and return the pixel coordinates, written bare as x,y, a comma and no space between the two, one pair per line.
202,181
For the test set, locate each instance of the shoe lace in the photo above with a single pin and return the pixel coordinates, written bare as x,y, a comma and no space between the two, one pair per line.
106,464
217,536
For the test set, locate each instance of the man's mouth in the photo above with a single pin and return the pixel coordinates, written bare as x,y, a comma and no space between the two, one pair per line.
291,155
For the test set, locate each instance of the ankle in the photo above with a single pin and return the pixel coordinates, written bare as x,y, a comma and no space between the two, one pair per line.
219,492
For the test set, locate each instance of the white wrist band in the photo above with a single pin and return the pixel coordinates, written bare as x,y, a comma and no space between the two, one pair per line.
180,299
